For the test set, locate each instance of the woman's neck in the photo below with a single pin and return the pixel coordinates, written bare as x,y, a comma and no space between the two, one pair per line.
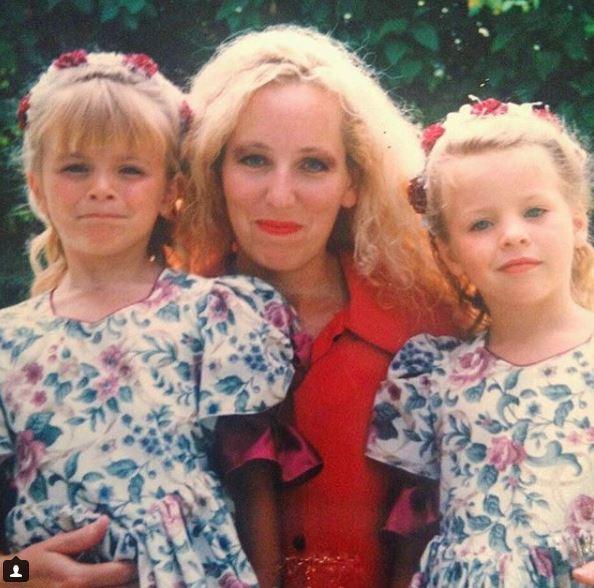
527,335
317,290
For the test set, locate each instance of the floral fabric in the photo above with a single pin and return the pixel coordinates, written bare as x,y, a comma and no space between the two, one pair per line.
513,449
117,416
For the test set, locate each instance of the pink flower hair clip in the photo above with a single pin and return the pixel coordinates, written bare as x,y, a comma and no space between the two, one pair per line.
480,109
186,116
99,64
417,195
24,106
71,59
141,63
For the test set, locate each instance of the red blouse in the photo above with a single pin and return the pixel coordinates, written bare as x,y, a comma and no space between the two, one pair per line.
331,524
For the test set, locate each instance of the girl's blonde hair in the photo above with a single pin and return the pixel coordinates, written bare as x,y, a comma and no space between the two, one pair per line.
96,99
382,146
511,126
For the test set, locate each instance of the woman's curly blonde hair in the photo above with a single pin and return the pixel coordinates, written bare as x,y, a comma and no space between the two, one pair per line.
386,237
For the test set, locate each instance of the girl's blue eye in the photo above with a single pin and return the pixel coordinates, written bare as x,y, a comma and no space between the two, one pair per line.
312,164
75,168
534,212
131,170
480,225
253,160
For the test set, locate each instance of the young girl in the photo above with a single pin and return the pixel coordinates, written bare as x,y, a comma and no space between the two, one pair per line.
113,374
504,418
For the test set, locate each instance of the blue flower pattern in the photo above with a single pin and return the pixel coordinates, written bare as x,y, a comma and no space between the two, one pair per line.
512,447
117,416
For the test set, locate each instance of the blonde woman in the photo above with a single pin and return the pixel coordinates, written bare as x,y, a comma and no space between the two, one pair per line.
299,163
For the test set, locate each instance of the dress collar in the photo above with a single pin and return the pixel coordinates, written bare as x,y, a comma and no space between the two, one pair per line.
384,327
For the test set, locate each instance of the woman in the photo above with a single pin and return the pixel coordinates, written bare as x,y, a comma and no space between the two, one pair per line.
299,164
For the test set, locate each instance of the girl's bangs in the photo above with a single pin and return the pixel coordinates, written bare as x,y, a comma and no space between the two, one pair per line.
103,114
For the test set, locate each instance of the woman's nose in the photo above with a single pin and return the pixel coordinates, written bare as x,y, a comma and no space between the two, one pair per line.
280,191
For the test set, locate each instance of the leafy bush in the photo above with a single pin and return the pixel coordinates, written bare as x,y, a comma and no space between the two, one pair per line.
430,54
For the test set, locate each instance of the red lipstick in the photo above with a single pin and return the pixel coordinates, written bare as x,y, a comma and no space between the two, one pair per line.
274,227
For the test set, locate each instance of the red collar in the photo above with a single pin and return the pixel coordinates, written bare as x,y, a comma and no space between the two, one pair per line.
363,316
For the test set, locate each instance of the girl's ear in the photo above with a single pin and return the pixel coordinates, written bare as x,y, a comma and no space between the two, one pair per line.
34,183
174,191
580,229
449,257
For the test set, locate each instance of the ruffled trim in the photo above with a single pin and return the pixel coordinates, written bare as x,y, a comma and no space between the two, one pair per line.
241,440
414,510
170,544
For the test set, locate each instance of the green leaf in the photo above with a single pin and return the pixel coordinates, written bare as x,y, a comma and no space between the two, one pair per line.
546,62
38,489
396,25
230,8
394,51
574,47
135,6
123,468
109,11
585,86
135,488
85,6
502,40
410,69
426,35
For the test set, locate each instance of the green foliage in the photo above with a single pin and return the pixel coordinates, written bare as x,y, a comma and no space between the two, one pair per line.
430,54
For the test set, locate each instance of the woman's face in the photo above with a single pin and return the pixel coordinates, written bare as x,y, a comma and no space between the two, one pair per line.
285,176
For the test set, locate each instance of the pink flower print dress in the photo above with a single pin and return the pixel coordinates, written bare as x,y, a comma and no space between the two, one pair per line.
117,417
513,450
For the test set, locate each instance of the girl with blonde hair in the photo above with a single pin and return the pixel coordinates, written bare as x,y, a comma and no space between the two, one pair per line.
502,418
115,372
298,163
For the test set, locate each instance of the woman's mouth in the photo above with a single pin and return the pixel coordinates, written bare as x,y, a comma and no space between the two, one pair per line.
274,227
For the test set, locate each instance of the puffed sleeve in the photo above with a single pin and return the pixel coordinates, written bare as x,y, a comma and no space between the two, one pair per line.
270,435
406,408
246,363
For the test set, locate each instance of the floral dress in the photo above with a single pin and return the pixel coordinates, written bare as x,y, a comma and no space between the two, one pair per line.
117,417
513,448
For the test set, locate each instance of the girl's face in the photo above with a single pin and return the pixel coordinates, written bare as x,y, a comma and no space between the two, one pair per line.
103,201
511,231
285,176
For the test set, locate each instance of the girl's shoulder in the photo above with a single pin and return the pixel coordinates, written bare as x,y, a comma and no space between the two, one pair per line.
428,353
245,294
245,287
23,313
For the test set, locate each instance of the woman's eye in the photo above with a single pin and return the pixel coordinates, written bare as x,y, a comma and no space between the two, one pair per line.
480,225
534,212
312,164
253,160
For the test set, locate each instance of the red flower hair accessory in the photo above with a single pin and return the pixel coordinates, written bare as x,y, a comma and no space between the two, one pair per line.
488,106
24,105
142,63
417,195
71,59
186,116
430,136
543,111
